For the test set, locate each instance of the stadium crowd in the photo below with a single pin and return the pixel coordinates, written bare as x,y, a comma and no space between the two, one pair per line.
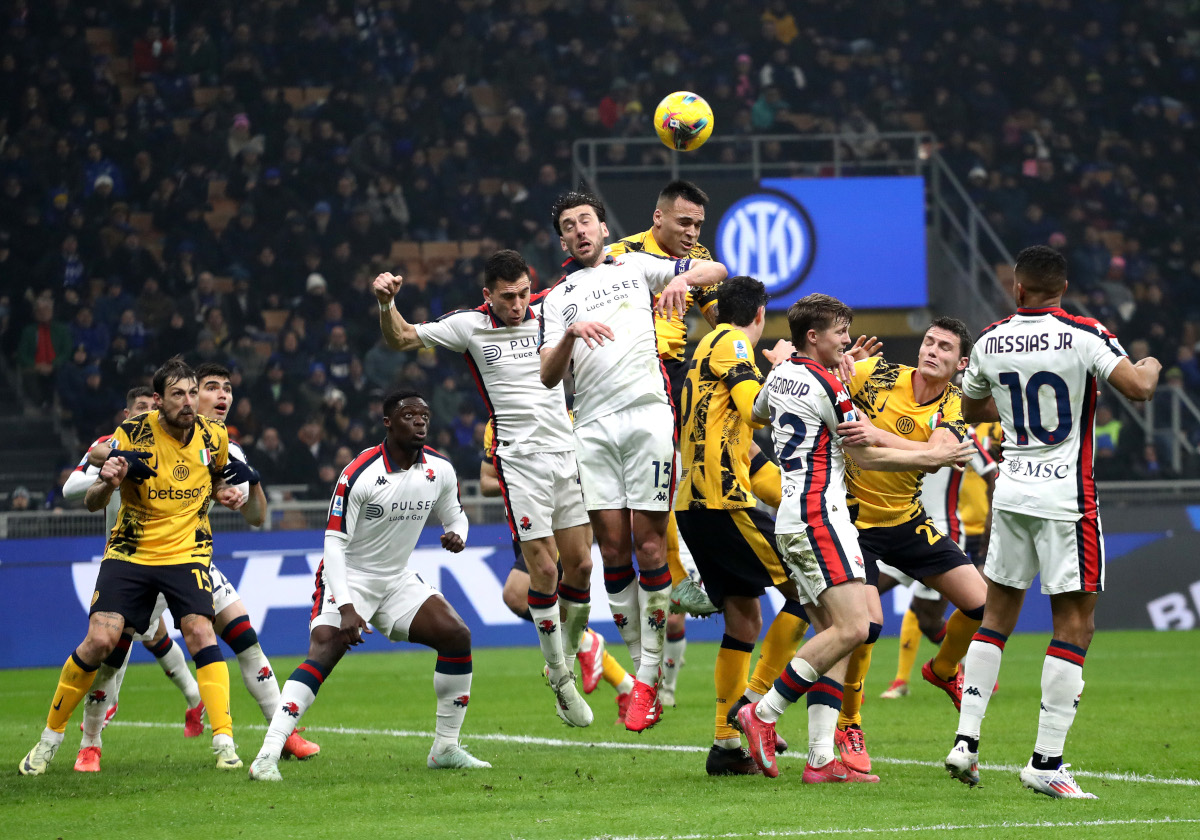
163,191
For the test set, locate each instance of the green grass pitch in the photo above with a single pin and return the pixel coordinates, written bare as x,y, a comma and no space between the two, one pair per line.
1136,731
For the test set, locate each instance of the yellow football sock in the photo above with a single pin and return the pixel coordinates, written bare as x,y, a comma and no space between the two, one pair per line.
852,688
729,677
910,642
678,573
614,674
959,630
213,681
778,648
73,683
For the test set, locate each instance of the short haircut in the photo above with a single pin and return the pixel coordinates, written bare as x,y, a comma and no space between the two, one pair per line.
573,199
738,300
173,370
816,312
396,397
210,369
136,393
506,266
1042,269
953,325
686,190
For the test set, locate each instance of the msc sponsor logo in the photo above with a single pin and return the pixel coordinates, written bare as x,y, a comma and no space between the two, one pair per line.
769,236
1046,470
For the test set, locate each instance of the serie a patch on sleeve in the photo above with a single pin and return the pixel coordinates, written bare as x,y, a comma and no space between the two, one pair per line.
741,349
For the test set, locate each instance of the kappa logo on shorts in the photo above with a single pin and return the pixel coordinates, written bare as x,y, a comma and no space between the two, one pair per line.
661,497
525,523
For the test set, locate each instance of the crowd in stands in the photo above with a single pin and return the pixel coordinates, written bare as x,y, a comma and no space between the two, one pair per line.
170,184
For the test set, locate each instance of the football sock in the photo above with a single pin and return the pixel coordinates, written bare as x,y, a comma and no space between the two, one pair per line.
1062,685
452,684
797,678
937,637
544,610
169,657
729,677
678,572
259,679
856,675
297,695
673,658
101,697
910,642
778,648
824,704
73,683
575,608
615,675
654,600
981,668
622,586
212,676
959,630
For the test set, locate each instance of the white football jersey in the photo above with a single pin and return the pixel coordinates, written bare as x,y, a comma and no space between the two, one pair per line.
626,370
1041,367
940,490
380,509
507,368
806,403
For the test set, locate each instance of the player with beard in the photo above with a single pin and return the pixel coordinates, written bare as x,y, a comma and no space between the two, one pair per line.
382,501
162,542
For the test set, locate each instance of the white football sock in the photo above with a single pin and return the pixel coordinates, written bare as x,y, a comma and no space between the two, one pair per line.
1062,684
822,721
673,660
175,666
627,616
543,609
99,700
259,679
453,692
574,624
294,701
653,605
981,667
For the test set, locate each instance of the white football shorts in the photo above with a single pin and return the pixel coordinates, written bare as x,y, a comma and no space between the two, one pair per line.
627,459
542,493
821,557
1068,555
389,604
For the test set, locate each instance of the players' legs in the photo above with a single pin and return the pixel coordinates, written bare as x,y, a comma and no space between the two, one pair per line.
233,625
170,658
649,531
743,623
614,536
212,675
541,559
516,593
575,589
101,698
1062,674
966,589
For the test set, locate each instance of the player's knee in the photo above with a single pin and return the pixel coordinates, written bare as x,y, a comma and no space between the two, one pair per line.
853,633
675,624
456,639
975,614
99,644
873,631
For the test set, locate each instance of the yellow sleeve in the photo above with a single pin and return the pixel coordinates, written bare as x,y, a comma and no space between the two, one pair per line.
489,440
951,414
766,480
732,360
120,438
221,456
862,371
623,246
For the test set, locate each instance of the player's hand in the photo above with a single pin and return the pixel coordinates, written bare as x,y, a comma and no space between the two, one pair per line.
672,298
781,352
453,543
113,471
353,624
860,433
230,497
865,348
239,472
386,286
948,451
138,469
593,333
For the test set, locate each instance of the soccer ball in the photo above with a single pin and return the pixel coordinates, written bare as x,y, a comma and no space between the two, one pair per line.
683,121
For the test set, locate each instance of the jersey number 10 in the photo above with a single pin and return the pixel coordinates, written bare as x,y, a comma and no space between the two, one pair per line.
1025,404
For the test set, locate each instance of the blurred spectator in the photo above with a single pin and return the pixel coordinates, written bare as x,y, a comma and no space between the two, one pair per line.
45,346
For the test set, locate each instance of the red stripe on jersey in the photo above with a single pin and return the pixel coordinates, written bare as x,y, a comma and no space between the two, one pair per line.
508,511
1087,431
953,522
816,481
337,505
318,591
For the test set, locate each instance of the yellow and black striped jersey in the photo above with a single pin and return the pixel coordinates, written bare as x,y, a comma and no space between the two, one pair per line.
717,408
884,392
670,332
164,520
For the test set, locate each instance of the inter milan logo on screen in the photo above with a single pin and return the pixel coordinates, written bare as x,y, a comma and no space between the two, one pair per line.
769,236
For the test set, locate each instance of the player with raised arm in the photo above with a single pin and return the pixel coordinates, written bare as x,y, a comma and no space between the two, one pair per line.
383,499
162,542
534,455
805,404
906,407
101,704
675,232
732,541
1036,372
957,502
598,322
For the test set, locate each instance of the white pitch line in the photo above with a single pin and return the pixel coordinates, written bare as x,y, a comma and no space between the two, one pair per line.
537,741
900,829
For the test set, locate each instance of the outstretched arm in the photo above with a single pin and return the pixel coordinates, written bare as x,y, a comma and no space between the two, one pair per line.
397,332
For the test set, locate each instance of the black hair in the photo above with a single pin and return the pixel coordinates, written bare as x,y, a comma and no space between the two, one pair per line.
815,312
396,397
136,393
211,369
738,300
506,266
567,201
686,190
953,325
173,370
1042,270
